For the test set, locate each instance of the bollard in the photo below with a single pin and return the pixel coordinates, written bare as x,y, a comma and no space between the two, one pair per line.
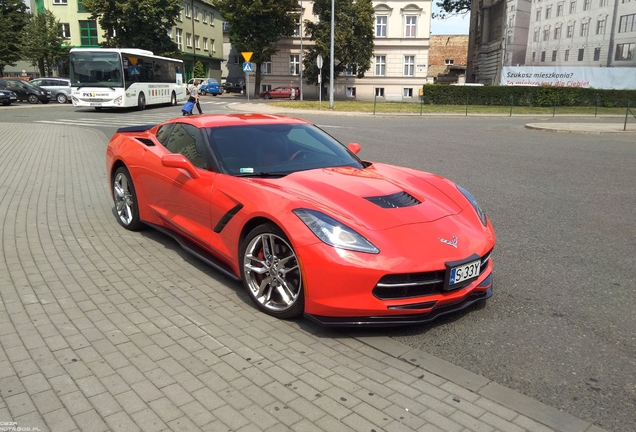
466,106
511,102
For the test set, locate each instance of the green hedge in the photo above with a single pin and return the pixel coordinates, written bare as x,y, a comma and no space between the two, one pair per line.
435,94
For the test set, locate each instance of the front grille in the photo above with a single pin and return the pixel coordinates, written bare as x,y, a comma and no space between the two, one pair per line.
396,200
409,285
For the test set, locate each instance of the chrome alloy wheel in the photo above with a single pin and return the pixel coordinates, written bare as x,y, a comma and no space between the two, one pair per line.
124,199
272,273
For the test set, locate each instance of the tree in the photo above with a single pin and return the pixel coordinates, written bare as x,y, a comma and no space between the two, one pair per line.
353,38
452,7
199,70
257,26
140,24
13,18
42,43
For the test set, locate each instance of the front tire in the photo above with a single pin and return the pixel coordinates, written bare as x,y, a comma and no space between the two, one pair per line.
125,198
141,102
271,272
173,99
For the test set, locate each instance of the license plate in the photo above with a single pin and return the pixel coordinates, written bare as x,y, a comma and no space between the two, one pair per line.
12,98
96,104
464,272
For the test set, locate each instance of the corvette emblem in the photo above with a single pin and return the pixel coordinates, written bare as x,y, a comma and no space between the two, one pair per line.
453,243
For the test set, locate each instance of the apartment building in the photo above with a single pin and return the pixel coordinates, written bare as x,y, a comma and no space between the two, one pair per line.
197,32
582,33
447,58
399,65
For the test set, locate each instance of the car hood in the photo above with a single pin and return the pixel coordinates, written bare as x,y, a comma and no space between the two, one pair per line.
376,198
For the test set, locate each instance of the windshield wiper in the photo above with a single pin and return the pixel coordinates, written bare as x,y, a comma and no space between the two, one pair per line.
262,174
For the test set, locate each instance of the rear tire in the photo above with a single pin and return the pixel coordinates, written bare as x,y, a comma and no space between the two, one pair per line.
125,198
267,96
61,98
33,99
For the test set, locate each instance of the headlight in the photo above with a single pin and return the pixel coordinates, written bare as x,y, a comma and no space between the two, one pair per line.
334,233
473,201
117,100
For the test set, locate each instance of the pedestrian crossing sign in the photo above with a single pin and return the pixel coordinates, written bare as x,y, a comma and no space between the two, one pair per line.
248,67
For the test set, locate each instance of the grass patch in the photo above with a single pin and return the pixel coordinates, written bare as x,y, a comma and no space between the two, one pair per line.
414,108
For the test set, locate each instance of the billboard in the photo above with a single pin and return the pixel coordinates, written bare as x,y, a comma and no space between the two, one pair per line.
623,78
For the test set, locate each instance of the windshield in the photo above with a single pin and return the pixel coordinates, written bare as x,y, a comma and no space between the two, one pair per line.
277,149
95,69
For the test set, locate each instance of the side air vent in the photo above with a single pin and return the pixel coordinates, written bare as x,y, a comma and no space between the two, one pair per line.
397,200
146,142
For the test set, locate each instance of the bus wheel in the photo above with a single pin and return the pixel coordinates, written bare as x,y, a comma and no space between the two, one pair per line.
173,99
98,108
141,102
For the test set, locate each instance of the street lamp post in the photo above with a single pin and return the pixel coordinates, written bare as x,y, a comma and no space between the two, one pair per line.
301,49
194,53
333,8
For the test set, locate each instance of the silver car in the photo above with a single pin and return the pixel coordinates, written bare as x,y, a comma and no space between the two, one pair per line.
59,87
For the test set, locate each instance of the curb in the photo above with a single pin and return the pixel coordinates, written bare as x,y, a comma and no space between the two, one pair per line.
574,128
546,415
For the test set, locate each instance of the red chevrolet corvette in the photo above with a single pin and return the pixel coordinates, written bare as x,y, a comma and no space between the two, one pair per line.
307,226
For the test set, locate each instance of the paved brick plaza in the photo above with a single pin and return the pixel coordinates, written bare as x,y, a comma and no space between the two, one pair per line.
104,329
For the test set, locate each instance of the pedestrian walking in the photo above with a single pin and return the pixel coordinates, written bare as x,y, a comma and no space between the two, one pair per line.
194,96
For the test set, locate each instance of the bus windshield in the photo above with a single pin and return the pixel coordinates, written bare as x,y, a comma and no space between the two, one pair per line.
96,69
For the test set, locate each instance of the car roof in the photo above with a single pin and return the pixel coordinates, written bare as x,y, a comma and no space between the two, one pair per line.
246,119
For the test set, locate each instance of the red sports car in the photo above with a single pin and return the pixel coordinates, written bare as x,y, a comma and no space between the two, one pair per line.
282,92
307,226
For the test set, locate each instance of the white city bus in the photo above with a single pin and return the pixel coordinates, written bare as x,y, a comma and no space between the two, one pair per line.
124,77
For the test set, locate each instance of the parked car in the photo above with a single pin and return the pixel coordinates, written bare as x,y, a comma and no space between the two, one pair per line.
25,91
60,88
282,92
7,97
206,85
302,221
230,87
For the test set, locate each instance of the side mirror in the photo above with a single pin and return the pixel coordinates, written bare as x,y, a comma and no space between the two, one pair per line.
354,148
180,161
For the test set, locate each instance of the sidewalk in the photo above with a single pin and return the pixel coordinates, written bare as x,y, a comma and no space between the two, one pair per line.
572,127
105,329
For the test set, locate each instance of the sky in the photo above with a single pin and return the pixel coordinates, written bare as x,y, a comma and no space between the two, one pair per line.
450,26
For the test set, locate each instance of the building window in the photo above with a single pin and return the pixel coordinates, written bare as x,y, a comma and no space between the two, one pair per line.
352,69
548,12
188,11
587,4
449,62
188,40
560,9
511,21
570,30
627,23
602,3
179,39
65,30
196,13
351,92
557,33
597,54
581,52
212,19
236,59
542,56
205,17
88,33
170,33
196,42
213,45
380,65
60,2
226,26
294,64
410,29
573,6
535,38
205,44
266,68
624,52
584,28
379,91
407,92
538,16
380,26
600,27
80,6
180,15
409,65
509,38
554,55
512,8
546,34
266,87
534,56
566,57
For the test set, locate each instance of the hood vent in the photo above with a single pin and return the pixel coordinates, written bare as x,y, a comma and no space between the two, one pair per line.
396,200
